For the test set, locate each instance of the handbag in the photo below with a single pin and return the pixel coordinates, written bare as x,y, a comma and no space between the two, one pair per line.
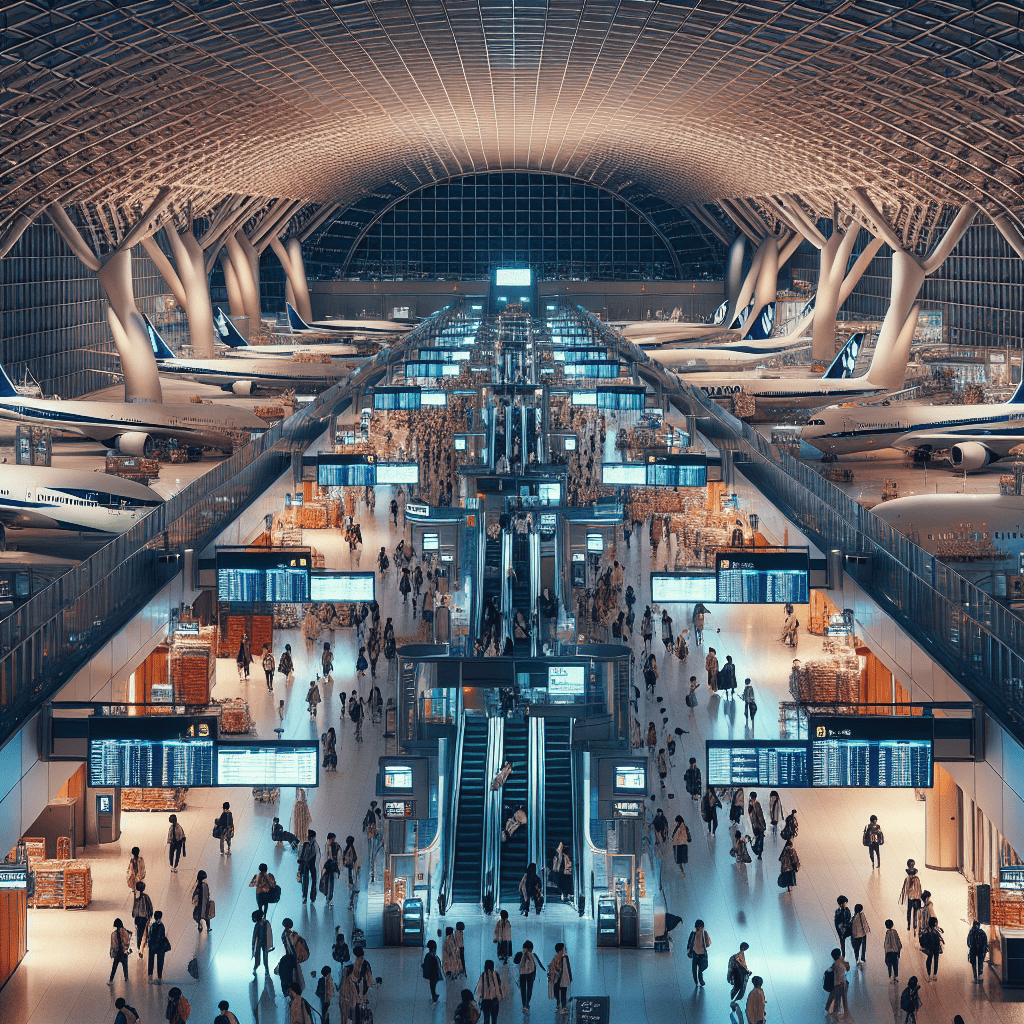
274,894
165,946
217,830
211,910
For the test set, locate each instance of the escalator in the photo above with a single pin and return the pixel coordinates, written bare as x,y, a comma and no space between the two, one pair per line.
522,589
470,823
558,809
491,587
514,794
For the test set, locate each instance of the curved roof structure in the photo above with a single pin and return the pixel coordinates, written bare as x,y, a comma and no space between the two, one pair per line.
323,102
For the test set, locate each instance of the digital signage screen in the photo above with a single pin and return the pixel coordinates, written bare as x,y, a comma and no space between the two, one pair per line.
623,474
683,587
549,492
433,398
269,763
567,680
342,587
397,473
345,471
595,543
268,576
512,278
396,398
767,577
397,776
770,763
630,778
147,751
690,470
872,751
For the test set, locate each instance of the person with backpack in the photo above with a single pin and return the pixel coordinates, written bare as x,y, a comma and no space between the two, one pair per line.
697,950
350,858
264,884
709,806
911,895
293,943
286,666
756,1002
202,905
262,942
313,699
142,914
859,932
527,962
158,946
331,869
356,980
178,1007
490,990
503,937
789,864
559,979
737,973
466,1012
932,943
268,666
977,950
792,827
841,921
659,825
325,993
327,664
692,780
873,840
910,1001
432,970
383,564
309,858
330,742
892,946
835,983
120,947
530,889
136,869
299,1011
749,703
225,831
125,1014
755,815
175,843
680,844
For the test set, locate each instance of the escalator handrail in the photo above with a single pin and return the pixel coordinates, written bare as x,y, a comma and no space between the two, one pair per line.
577,815
536,793
448,877
492,809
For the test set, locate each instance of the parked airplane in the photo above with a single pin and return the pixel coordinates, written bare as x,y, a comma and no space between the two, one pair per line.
47,498
243,376
846,429
131,427
934,520
887,372
366,328
228,333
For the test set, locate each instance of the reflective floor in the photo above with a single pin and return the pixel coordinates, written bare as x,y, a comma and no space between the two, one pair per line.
64,976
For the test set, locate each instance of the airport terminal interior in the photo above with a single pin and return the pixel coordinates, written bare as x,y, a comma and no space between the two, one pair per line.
511,512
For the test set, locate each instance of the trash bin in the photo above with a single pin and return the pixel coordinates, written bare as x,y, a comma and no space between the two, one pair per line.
412,923
392,925
629,926
607,922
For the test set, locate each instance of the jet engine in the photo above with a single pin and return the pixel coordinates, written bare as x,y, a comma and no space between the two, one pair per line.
134,443
970,456
240,387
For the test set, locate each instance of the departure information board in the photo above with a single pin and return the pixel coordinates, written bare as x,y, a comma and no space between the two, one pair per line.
345,470
342,587
773,763
763,577
397,473
872,751
151,763
282,763
683,587
684,470
268,576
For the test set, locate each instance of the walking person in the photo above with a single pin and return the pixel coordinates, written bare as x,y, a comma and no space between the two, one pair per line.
709,810
142,914
774,811
873,840
125,1014
559,979
313,699
932,943
286,666
737,973
756,1002
692,780
911,895
450,962
530,889
466,1012
926,914
158,946
697,621
841,919
859,932
263,882
175,842
680,844
755,815
528,963
330,741
711,666
490,990
503,937
727,677
892,946
789,862
202,905
736,808
309,858
910,1001
749,703
302,820
837,994
697,950
178,1007
136,869
244,657
432,970
977,950
268,667
120,947
262,942
226,828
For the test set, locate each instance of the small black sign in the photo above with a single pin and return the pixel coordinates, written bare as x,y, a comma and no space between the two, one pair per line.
591,1009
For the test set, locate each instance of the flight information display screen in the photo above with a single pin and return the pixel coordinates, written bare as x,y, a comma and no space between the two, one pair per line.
763,577
146,751
345,471
396,398
683,587
342,587
757,763
872,751
689,470
630,778
567,680
397,473
281,763
593,368
512,278
263,577
624,474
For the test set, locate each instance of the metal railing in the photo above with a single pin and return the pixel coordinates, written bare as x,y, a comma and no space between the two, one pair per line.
53,634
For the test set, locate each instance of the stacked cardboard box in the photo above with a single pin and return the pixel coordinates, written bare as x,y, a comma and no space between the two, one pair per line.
155,799
234,716
193,670
827,680
62,883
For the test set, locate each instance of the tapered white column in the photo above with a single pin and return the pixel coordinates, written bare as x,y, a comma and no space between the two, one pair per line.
245,262
297,287
190,261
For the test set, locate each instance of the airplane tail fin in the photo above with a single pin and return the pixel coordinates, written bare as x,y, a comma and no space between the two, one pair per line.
889,370
296,321
842,367
227,331
1018,396
7,388
761,328
160,349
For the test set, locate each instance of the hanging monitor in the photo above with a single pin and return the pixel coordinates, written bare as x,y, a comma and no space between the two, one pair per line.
763,577
684,587
872,751
263,576
271,763
772,763
567,680
342,587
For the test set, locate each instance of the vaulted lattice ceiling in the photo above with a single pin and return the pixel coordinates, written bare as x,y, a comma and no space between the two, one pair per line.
103,103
